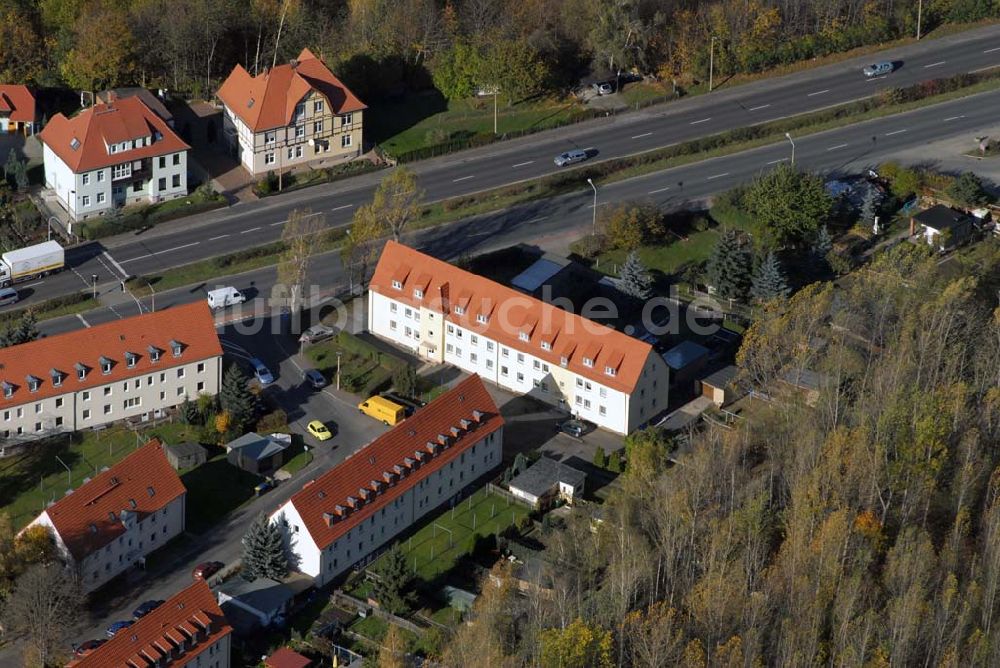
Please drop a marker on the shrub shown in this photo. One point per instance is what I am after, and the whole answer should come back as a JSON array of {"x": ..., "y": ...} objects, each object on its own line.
[
  {"x": 590, "y": 246},
  {"x": 275, "y": 421}
]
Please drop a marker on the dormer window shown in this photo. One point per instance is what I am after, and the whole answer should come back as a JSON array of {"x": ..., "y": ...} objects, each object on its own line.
[
  {"x": 57, "y": 377},
  {"x": 587, "y": 362},
  {"x": 33, "y": 383},
  {"x": 546, "y": 345},
  {"x": 8, "y": 389},
  {"x": 397, "y": 285},
  {"x": 74, "y": 143},
  {"x": 609, "y": 370},
  {"x": 154, "y": 353},
  {"x": 177, "y": 347},
  {"x": 106, "y": 365},
  {"x": 459, "y": 310},
  {"x": 482, "y": 318},
  {"x": 131, "y": 359},
  {"x": 523, "y": 336},
  {"x": 81, "y": 371},
  {"x": 563, "y": 361},
  {"x": 418, "y": 293}
]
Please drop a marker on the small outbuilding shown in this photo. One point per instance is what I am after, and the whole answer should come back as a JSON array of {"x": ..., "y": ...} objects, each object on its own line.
[
  {"x": 806, "y": 383},
  {"x": 261, "y": 603},
  {"x": 546, "y": 480},
  {"x": 287, "y": 658},
  {"x": 257, "y": 454},
  {"x": 685, "y": 360},
  {"x": 942, "y": 227},
  {"x": 718, "y": 386},
  {"x": 185, "y": 455}
]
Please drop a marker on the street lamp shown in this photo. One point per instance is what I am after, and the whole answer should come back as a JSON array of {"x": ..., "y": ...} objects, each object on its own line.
[
  {"x": 152, "y": 293},
  {"x": 338, "y": 370},
  {"x": 711, "y": 63},
  {"x": 920, "y": 11},
  {"x": 591, "y": 182},
  {"x": 93, "y": 279},
  {"x": 48, "y": 223},
  {"x": 788, "y": 135}
]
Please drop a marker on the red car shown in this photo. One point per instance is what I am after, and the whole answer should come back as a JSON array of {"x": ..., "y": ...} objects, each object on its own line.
[
  {"x": 83, "y": 649},
  {"x": 207, "y": 569}
]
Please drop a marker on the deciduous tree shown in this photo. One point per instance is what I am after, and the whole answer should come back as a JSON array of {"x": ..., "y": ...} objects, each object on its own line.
[
  {"x": 579, "y": 645},
  {"x": 397, "y": 201},
  {"x": 787, "y": 205},
  {"x": 42, "y": 610},
  {"x": 300, "y": 236},
  {"x": 968, "y": 190},
  {"x": 103, "y": 49}
]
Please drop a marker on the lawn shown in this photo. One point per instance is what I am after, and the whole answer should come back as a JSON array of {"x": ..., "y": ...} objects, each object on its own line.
[
  {"x": 435, "y": 548},
  {"x": 30, "y": 480},
  {"x": 667, "y": 258},
  {"x": 364, "y": 369},
  {"x": 215, "y": 489},
  {"x": 425, "y": 120}
]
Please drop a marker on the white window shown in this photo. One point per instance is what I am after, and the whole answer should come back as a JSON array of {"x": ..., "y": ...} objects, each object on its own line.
[
  {"x": 418, "y": 293},
  {"x": 474, "y": 358},
  {"x": 503, "y": 371},
  {"x": 347, "y": 119},
  {"x": 107, "y": 409},
  {"x": 475, "y": 340},
  {"x": 392, "y": 307},
  {"x": 397, "y": 285},
  {"x": 86, "y": 200},
  {"x": 546, "y": 345},
  {"x": 520, "y": 358},
  {"x": 520, "y": 377},
  {"x": 100, "y": 198},
  {"x": 269, "y": 158},
  {"x": 392, "y": 325},
  {"x": 300, "y": 110},
  {"x": 121, "y": 171},
  {"x": 345, "y": 141},
  {"x": 86, "y": 179},
  {"x": 482, "y": 318},
  {"x": 538, "y": 365},
  {"x": 586, "y": 403},
  {"x": 317, "y": 127},
  {"x": 523, "y": 336},
  {"x": 489, "y": 364},
  {"x": 588, "y": 362},
  {"x": 270, "y": 137},
  {"x": 459, "y": 310},
  {"x": 86, "y": 395},
  {"x": 450, "y": 348},
  {"x": 86, "y": 414},
  {"x": 609, "y": 370},
  {"x": 604, "y": 392},
  {"x": 579, "y": 382},
  {"x": 489, "y": 346},
  {"x": 318, "y": 107},
  {"x": 505, "y": 352},
  {"x": 602, "y": 410},
  {"x": 100, "y": 175},
  {"x": 180, "y": 372},
  {"x": 409, "y": 313},
  {"x": 300, "y": 131}
]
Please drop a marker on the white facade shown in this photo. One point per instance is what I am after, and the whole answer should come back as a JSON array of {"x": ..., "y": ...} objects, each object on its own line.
[
  {"x": 429, "y": 334},
  {"x": 393, "y": 518},
  {"x": 140, "y": 538},
  {"x": 144, "y": 396},
  {"x": 97, "y": 192},
  {"x": 215, "y": 655}
]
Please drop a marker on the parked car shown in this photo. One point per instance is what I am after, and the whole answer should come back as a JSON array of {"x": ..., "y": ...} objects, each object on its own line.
[
  {"x": 8, "y": 296},
  {"x": 605, "y": 88},
  {"x": 86, "y": 647},
  {"x": 570, "y": 157},
  {"x": 146, "y": 607},
  {"x": 575, "y": 427},
  {"x": 267, "y": 484},
  {"x": 206, "y": 569},
  {"x": 411, "y": 405},
  {"x": 316, "y": 333},
  {"x": 319, "y": 430},
  {"x": 261, "y": 372},
  {"x": 314, "y": 378},
  {"x": 878, "y": 69},
  {"x": 118, "y": 626}
]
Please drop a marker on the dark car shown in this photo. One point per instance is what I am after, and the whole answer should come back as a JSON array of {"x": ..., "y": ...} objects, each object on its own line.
[
  {"x": 206, "y": 569},
  {"x": 85, "y": 648},
  {"x": 118, "y": 626},
  {"x": 145, "y": 608},
  {"x": 575, "y": 427},
  {"x": 314, "y": 378}
]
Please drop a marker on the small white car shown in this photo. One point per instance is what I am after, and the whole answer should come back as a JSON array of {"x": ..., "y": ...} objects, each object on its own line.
[
  {"x": 570, "y": 157},
  {"x": 878, "y": 69},
  {"x": 605, "y": 88}
]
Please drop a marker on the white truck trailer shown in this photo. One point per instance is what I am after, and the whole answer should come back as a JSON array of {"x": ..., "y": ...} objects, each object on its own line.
[{"x": 26, "y": 263}]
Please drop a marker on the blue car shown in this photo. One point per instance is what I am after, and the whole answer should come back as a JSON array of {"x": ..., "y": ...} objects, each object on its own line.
[
  {"x": 261, "y": 372},
  {"x": 145, "y": 608},
  {"x": 116, "y": 627}
]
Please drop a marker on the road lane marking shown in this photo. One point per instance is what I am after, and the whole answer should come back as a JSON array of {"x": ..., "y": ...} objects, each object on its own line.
[
  {"x": 983, "y": 69},
  {"x": 819, "y": 92},
  {"x": 280, "y": 222},
  {"x": 704, "y": 120},
  {"x": 834, "y": 148},
  {"x": 168, "y": 250},
  {"x": 30, "y": 285},
  {"x": 953, "y": 118},
  {"x": 112, "y": 261},
  {"x": 85, "y": 323},
  {"x": 252, "y": 229},
  {"x": 763, "y": 106},
  {"x": 523, "y": 164},
  {"x": 644, "y": 134},
  {"x": 535, "y": 220},
  {"x": 658, "y": 190},
  {"x": 221, "y": 236},
  {"x": 717, "y": 176},
  {"x": 336, "y": 208},
  {"x": 997, "y": 48},
  {"x": 894, "y": 132},
  {"x": 940, "y": 62},
  {"x": 774, "y": 162},
  {"x": 463, "y": 178}
]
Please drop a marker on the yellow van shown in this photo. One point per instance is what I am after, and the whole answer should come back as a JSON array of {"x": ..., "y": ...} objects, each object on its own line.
[{"x": 382, "y": 409}]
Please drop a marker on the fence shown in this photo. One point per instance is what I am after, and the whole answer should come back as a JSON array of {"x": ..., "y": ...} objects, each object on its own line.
[
  {"x": 500, "y": 491},
  {"x": 345, "y": 600}
]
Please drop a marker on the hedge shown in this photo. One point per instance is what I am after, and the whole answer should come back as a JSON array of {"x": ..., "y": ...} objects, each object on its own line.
[{"x": 142, "y": 218}]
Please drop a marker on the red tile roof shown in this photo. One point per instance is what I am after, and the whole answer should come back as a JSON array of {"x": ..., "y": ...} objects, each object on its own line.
[
  {"x": 343, "y": 484},
  {"x": 191, "y": 325},
  {"x": 142, "y": 483},
  {"x": 287, "y": 658},
  {"x": 17, "y": 101},
  {"x": 510, "y": 313},
  {"x": 93, "y": 129},
  {"x": 163, "y": 630},
  {"x": 268, "y": 100}
]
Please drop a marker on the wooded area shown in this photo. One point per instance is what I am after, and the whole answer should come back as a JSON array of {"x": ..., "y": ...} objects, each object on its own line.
[
  {"x": 382, "y": 47},
  {"x": 862, "y": 531}
]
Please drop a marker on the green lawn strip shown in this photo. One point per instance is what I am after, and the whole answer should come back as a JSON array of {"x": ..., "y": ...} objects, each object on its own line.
[
  {"x": 432, "y": 551},
  {"x": 53, "y": 308},
  {"x": 667, "y": 258},
  {"x": 297, "y": 463},
  {"x": 371, "y": 627},
  {"x": 215, "y": 489},
  {"x": 364, "y": 369},
  {"x": 136, "y": 218},
  {"x": 30, "y": 480}
]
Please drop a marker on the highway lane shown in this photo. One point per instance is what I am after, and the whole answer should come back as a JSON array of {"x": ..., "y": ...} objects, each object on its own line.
[
  {"x": 842, "y": 151},
  {"x": 250, "y": 224}
]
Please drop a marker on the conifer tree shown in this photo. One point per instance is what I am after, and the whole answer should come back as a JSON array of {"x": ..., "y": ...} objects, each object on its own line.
[
  {"x": 635, "y": 280},
  {"x": 769, "y": 280},
  {"x": 729, "y": 266},
  {"x": 237, "y": 399},
  {"x": 264, "y": 553}
]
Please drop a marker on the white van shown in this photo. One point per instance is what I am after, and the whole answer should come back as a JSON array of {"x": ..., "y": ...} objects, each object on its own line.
[{"x": 223, "y": 297}]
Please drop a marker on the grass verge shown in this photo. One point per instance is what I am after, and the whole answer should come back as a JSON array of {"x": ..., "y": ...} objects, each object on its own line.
[
  {"x": 52, "y": 308},
  {"x": 364, "y": 369},
  {"x": 215, "y": 489},
  {"x": 201, "y": 200}
]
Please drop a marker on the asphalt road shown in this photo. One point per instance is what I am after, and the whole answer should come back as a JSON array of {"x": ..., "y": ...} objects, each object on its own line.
[
  {"x": 846, "y": 150},
  {"x": 251, "y": 224}
]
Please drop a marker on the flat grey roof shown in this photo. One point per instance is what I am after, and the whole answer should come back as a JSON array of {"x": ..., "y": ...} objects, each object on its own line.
[
  {"x": 536, "y": 275},
  {"x": 545, "y": 474},
  {"x": 185, "y": 449},
  {"x": 684, "y": 354},
  {"x": 721, "y": 378},
  {"x": 256, "y": 446}
]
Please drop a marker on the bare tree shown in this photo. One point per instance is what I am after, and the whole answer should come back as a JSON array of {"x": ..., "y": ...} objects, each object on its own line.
[
  {"x": 363, "y": 243},
  {"x": 300, "y": 236},
  {"x": 42, "y": 608},
  {"x": 397, "y": 201}
]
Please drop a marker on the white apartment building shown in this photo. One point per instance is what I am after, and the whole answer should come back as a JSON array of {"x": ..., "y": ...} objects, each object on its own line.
[
  {"x": 135, "y": 368},
  {"x": 293, "y": 114},
  {"x": 110, "y": 523},
  {"x": 112, "y": 155},
  {"x": 188, "y": 630},
  {"x": 522, "y": 344},
  {"x": 377, "y": 493}
]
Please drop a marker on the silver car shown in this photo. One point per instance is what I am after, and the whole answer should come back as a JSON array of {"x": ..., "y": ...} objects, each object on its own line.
[
  {"x": 570, "y": 157},
  {"x": 878, "y": 69}
]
